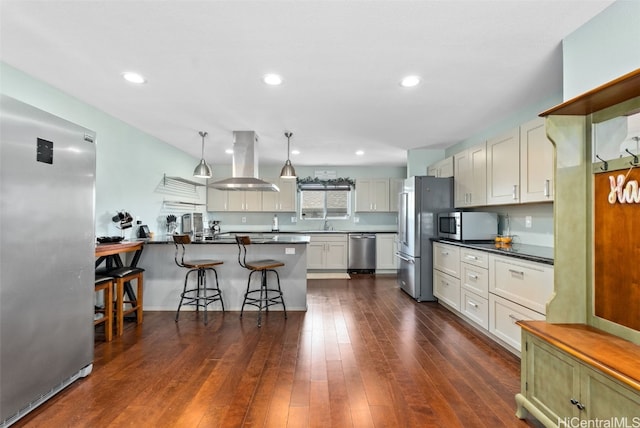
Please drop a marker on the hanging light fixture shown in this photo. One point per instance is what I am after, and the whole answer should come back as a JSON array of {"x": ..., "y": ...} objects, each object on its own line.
[
  {"x": 287, "y": 170},
  {"x": 202, "y": 170}
]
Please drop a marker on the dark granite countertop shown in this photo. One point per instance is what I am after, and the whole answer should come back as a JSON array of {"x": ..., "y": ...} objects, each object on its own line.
[
  {"x": 534, "y": 253},
  {"x": 256, "y": 238}
]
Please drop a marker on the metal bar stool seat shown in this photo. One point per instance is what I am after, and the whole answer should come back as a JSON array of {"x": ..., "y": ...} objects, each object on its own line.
[
  {"x": 200, "y": 295},
  {"x": 121, "y": 276},
  {"x": 264, "y": 296},
  {"x": 105, "y": 284}
]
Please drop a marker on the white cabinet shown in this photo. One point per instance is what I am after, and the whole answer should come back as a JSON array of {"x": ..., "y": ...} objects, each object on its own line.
[
  {"x": 446, "y": 259},
  {"x": 372, "y": 195},
  {"x": 503, "y": 168},
  {"x": 327, "y": 251},
  {"x": 217, "y": 200},
  {"x": 526, "y": 283},
  {"x": 470, "y": 177},
  {"x": 282, "y": 201},
  {"x": 503, "y": 315},
  {"x": 395, "y": 188},
  {"x": 386, "y": 248},
  {"x": 491, "y": 290},
  {"x": 518, "y": 290},
  {"x": 443, "y": 168},
  {"x": 520, "y": 166},
  {"x": 244, "y": 200},
  {"x": 474, "y": 283},
  {"x": 536, "y": 163},
  {"x": 233, "y": 200},
  {"x": 446, "y": 274}
]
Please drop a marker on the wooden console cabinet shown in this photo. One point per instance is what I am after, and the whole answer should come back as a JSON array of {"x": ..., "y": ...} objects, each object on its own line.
[{"x": 574, "y": 372}]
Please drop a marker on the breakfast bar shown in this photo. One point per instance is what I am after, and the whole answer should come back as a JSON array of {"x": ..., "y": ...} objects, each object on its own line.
[{"x": 164, "y": 279}]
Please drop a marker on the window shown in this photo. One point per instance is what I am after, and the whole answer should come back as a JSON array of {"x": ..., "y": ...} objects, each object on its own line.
[{"x": 325, "y": 203}]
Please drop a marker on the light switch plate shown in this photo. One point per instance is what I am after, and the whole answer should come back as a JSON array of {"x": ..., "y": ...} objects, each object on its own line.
[{"x": 528, "y": 222}]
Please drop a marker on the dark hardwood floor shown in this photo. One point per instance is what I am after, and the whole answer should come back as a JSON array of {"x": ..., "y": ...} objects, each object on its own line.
[{"x": 363, "y": 355}]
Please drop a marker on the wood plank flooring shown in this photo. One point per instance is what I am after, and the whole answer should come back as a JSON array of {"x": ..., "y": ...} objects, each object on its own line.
[{"x": 363, "y": 355}]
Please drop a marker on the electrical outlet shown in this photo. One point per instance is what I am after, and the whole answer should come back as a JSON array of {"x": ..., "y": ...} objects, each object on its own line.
[
  {"x": 356, "y": 219},
  {"x": 294, "y": 219},
  {"x": 528, "y": 221},
  {"x": 243, "y": 219},
  {"x": 289, "y": 250}
]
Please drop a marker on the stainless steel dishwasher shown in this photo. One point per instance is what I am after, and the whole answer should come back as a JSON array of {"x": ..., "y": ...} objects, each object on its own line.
[{"x": 362, "y": 253}]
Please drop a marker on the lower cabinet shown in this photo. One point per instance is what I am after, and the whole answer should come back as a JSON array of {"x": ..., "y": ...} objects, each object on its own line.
[
  {"x": 490, "y": 290},
  {"x": 386, "y": 248},
  {"x": 327, "y": 251},
  {"x": 561, "y": 390},
  {"x": 447, "y": 289},
  {"x": 503, "y": 315}
]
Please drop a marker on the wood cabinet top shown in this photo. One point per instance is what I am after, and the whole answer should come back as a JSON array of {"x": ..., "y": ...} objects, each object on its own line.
[
  {"x": 610, "y": 354},
  {"x": 621, "y": 89}
]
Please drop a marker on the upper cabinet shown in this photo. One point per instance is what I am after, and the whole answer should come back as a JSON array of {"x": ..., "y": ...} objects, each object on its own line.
[
  {"x": 470, "y": 180},
  {"x": 520, "y": 166},
  {"x": 536, "y": 163},
  {"x": 284, "y": 200},
  {"x": 245, "y": 200},
  {"x": 395, "y": 188},
  {"x": 372, "y": 194},
  {"x": 503, "y": 169},
  {"x": 443, "y": 168}
]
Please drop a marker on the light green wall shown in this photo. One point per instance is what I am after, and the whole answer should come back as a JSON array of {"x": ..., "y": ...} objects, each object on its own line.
[
  {"x": 603, "y": 49},
  {"x": 130, "y": 164},
  {"x": 419, "y": 159}
]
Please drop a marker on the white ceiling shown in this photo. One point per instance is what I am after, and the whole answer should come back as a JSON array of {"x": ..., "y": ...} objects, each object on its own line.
[{"x": 341, "y": 62}]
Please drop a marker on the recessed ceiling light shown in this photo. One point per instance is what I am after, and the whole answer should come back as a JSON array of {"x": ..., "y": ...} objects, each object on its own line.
[
  {"x": 272, "y": 79},
  {"x": 359, "y": 152},
  {"x": 133, "y": 77},
  {"x": 410, "y": 81},
  {"x": 229, "y": 151},
  {"x": 295, "y": 152}
]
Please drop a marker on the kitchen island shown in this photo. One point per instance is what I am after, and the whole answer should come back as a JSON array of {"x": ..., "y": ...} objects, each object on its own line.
[{"x": 164, "y": 279}]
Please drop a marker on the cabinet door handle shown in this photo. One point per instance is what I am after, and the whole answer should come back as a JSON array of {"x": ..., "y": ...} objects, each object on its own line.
[
  {"x": 470, "y": 257},
  {"x": 516, "y": 272},
  {"x": 472, "y": 276},
  {"x": 474, "y": 304},
  {"x": 547, "y": 193},
  {"x": 576, "y": 403},
  {"x": 515, "y": 192},
  {"x": 514, "y": 318}
]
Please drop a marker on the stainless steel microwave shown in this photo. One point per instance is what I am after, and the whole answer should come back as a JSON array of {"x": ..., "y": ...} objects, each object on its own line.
[{"x": 468, "y": 226}]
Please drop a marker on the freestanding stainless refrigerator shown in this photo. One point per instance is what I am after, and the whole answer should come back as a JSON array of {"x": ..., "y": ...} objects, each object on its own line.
[
  {"x": 47, "y": 247},
  {"x": 420, "y": 202}
]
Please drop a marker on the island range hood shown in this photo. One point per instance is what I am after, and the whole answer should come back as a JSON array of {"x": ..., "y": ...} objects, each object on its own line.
[{"x": 245, "y": 166}]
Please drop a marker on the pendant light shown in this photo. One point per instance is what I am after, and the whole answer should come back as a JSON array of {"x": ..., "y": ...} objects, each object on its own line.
[
  {"x": 202, "y": 170},
  {"x": 287, "y": 170}
]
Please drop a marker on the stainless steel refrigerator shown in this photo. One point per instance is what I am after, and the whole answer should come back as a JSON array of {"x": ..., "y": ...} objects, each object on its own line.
[
  {"x": 420, "y": 201},
  {"x": 47, "y": 248}
]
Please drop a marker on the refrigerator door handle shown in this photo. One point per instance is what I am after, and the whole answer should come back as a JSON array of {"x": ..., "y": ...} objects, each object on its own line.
[{"x": 404, "y": 258}]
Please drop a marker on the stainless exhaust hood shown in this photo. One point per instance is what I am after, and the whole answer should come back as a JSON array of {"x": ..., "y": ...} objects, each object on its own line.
[{"x": 245, "y": 166}]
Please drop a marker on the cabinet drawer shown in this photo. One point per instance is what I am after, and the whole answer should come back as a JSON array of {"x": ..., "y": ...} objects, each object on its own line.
[
  {"x": 473, "y": 257},
  {"x": 503, "y": 315},
  {"x": 447, "y": 289},
  {"x": 475, "y": 308},
  {"x": 475, "y": 279},
  {"x": 527, "y": 283},
  {"x": 446, "y": 258}
]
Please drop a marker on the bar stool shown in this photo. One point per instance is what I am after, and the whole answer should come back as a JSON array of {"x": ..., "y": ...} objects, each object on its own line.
[
  {"x": 122, "y": 275},
  {"x": 200, "y": 296},
  {"x": 262, "y": 297},
  {"x": 105, "y": 284}
]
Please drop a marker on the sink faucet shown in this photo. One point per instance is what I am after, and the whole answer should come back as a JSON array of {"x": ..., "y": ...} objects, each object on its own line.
[{"x": 326, "y": 226}]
